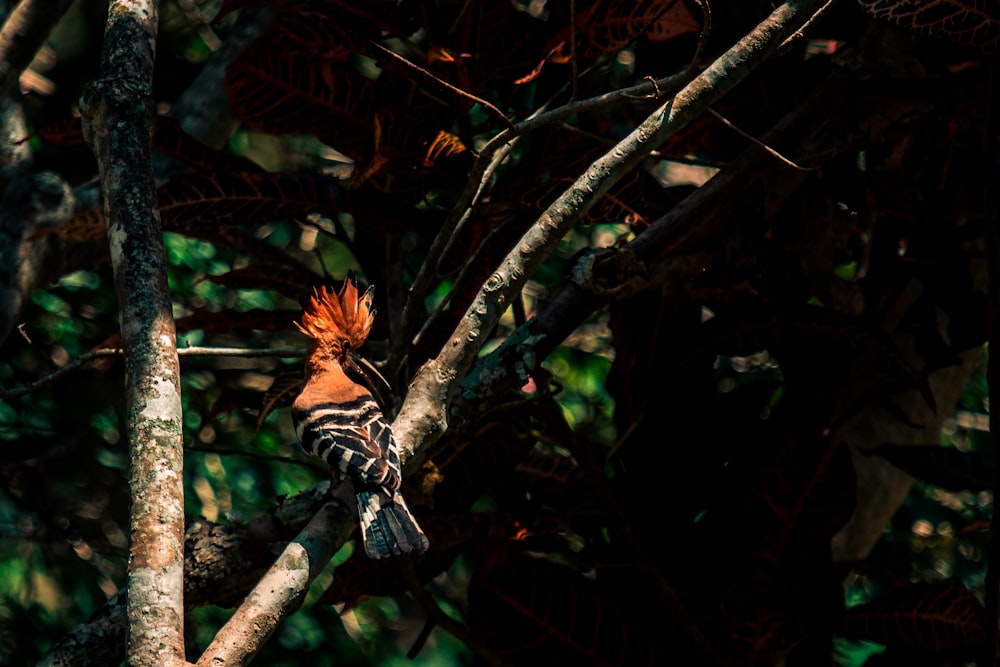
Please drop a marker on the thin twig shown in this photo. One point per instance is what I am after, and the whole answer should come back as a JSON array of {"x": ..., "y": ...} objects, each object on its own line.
[
  {"x": 499, "y": 115},
  {"x": 482, "y": 171},
  {"x": 306, "y": 463},
  {"x": 990, "y": 172},
  {"x": 706, "y": 30},
  {"x": 798, "y": 34},
  {"x": 574, "y": 64},
  {"x": 94, "y": 355},
  {"x": 758, "y": 142}
]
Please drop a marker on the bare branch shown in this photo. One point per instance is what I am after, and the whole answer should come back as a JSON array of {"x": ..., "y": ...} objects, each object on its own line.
[
  {"x": 609, "y": 274},
  {"x": 757, "y": 141},
  {"x": 706, "y": 30},
  {"x": 490, "y": 157},
  {"x": 94, "y": 355},
  {"x": 23, "y": 34},
  {"x": 496, "y": 113},
  {"x": 423, "y": 418},
  {"x": 117, "y": 114},
  {"x": 283, "y": 587}
]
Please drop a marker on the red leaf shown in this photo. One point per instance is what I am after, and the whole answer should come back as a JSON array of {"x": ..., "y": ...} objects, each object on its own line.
[
  {"x": 966, "y": 22},
  {"x": 224, "y": 321},
  {"x": 243, "y": 198},
  {"x": 289, "y": 281},
  {"x": 937, "y": 618},
  {"x": 279, "y": 87}
]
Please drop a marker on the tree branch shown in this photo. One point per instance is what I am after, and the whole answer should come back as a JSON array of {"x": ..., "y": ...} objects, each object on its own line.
[
  {"x": 221, "y": 563},
  {"x": 641, "y": 264},
  {"x": 23, "y": 34},
  {"x": 117, "y": 114},
  {"x": 423, "y": 418},
  {"x": 490, "y": 157},
  {"x": 93, "y": 355},
  {"x": 282, "y": 589}
]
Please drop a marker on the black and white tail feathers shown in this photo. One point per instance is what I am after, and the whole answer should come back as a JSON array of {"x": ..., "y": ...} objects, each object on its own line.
[
  {"x": 355, "y": 440},
  {"x": 387, "y": 526},
  {"x": 338, "y": 420}
]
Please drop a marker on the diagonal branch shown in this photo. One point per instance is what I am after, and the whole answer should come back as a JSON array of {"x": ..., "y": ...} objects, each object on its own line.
[
  {"x": 490, "y": 157},
  {"x": 117, "y": 113},
  {"x": 23, "y": 34},
  {"x": 423, "y": 419},
  {"x": 606, "y": 274},
  {"x": 282, "y": 589}
]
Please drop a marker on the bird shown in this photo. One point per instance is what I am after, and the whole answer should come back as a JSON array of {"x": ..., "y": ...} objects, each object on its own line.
[{"x": 338, "y": 420}]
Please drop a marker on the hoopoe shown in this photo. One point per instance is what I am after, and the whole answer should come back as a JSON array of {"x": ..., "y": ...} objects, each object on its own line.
[{"x": 339, "y": 421}]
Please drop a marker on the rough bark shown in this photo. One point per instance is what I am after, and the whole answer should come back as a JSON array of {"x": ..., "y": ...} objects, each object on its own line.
[{"x": 117, "y": 120}]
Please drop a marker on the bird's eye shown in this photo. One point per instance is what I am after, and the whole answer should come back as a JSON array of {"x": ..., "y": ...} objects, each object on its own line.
[{"x": 345, "y": 345}]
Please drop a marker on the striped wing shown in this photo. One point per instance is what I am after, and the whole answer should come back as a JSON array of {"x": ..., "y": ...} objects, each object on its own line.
[{"x": 352, "y": 437}]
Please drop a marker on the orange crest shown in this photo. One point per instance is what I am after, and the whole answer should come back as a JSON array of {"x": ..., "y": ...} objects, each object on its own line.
[{"x": 341, "y": 321}]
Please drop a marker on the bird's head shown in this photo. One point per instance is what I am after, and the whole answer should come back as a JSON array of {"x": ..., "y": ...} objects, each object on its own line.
[{"x": 338, "y": 323}]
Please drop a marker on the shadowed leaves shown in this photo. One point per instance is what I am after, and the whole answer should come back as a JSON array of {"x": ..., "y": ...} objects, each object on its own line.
[
  {"x": 292, "y": 282},
  {"x": 784, "y": 576},
  {"x": 946, "y": 467},
  {"x": 969, "y": 22},
  {"x": 944, "y": 619},
  {"x": 551, "y": 615},
  {"x": 243, "y": 198},
  {"x": 282, "y": 86}
]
